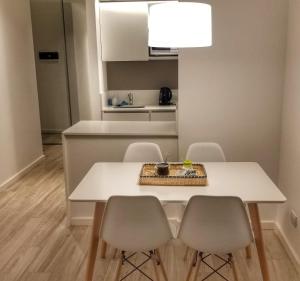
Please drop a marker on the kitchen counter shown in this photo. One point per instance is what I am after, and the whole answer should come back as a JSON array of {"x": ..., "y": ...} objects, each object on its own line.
[
  {"x": 88, "y": 142},
  {"x": 123, "y": 128},
  {"x": 147, "y": 108}
]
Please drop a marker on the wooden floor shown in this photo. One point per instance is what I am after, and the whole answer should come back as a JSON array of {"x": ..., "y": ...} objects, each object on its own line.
[
  {"x": 51, "y": 138},
  {"x": 35, "y": 244}
]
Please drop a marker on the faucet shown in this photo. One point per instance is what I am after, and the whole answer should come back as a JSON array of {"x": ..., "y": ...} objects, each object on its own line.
[{"x": 130, "y": 98}]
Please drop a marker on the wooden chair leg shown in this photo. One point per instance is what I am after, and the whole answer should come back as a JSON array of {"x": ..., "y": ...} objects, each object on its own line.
[
  {"x": 234, "y": 270},
  {"x": 154, "y": 262},
  {"x": 190, "y": 270},
  {"x": 118, "y": 270},
  {"x": 186, "y": 253},
  {"x": 162, "y": 265},
  {"x": 103, "y": 249},
  {"x": 248, "y": 252},
  {"x": 197, "y": 267}
]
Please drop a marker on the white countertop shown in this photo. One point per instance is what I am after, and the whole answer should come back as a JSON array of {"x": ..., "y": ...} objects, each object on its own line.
[
  {"x": 147, "y": 108},
  {"x": 123, "y": 128}
]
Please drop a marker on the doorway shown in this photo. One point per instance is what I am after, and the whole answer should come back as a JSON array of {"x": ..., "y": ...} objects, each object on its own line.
[{"x": 52, "y": 25}]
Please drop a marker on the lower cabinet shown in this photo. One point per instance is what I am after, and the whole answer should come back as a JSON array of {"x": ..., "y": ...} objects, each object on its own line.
[
  {"x": 81, "y": 152},
  {"x": 139, "y": 116},
  {"x": 163, "y": 116},
  {"x": 126, "y": 116}
]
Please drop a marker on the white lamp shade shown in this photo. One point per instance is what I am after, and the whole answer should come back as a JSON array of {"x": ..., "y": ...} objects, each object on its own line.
[{"x": 180, "y": 25}]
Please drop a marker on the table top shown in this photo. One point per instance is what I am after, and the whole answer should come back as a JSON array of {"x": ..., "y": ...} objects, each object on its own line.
[{"x": 246, "y": 180}]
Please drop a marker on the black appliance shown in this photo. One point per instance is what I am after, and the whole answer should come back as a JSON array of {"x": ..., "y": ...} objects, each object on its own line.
[
  {"x": 165, "y": 96},
  {"x": 163, "y": 52}
]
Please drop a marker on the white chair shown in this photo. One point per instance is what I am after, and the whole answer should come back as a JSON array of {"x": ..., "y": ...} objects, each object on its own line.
[
  {"x": 205, "y": 152},
  {"x": 215, "y": 225},
  {"x": 208, "y": 152},
  {"x": 143, "y": 152},
  {"x": 136, "y": 224},
  {"x": 140, "y": 152}
]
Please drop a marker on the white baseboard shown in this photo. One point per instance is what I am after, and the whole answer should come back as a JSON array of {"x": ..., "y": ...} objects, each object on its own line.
[
  {"x": 21, "y": 173},
  {"x": 287, "y": 246}
]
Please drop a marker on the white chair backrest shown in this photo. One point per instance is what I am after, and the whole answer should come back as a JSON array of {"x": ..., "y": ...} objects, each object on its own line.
[
  {"x": 135, "y": 223},
  {"x": 215, "y": 224},
  {"x": 205, "y": 152},
  {"x": 143, "y": 152}
]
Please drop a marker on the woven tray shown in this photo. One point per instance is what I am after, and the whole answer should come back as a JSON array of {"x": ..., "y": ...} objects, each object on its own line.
[{"x": 148, "y": 176}]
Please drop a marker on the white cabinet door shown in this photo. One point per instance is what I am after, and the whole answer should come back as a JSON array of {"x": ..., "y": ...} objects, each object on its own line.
[
  {"x": 163, "y": 116},
  {"x": 124, "y": 31},
  {"x": 131, "y": 116}
]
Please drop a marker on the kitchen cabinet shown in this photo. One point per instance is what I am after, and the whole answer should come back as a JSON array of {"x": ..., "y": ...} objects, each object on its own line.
[
  {"x": 163, "y": 116},
  {"x": 149, "y": 113},
  {"x": 124, "y": 31},
  {"x": 88, "y": 142},
  {"x": 126, "y": 116}
]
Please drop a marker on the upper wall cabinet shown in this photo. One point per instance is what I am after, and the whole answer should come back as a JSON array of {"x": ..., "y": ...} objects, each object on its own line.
[{"x": 124, "y": 31}]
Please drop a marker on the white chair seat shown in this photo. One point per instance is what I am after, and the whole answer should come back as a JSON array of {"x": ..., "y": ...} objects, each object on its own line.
[
  {"x": 135, "y": 223},
  {"x": 215, "y": 224}
]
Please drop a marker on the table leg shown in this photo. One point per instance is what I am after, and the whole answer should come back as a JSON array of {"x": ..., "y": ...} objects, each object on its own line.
[
  {"x": 248, "y": 252},
  {"x": 255, "y": 219},
  {"x": 98, "y": 212}
]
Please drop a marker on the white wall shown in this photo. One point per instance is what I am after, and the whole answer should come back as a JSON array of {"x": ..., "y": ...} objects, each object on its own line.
[
  {"x": 93, "y": 67},
  {"x": 20, "y": 140},
  {"x": 81, "y": 58},
  {"x": 231, "y": 93},
  {"x": 101, "y": 64},
  {"x": 84, "y": 35},
  {"x": 290, "y": 142}
]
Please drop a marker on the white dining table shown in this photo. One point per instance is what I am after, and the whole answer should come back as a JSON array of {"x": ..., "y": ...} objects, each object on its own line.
[{"x": 246, "y": 180}]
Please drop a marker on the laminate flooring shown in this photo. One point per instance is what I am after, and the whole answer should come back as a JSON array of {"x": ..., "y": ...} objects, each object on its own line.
[{"x": 51, "y": 138}]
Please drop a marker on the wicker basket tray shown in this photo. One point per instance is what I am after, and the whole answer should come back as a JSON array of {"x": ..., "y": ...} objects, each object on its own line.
[{"x": 148, "y": 176}]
